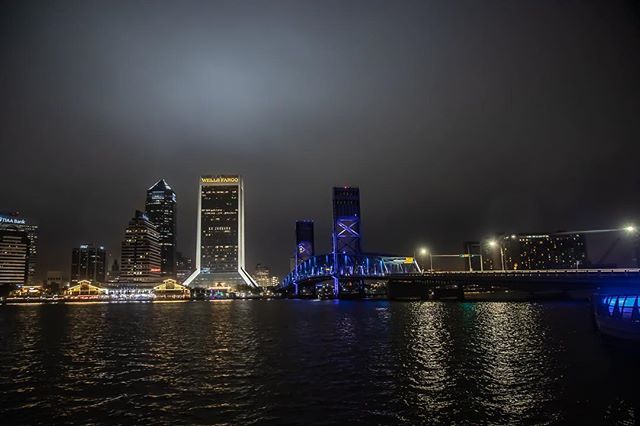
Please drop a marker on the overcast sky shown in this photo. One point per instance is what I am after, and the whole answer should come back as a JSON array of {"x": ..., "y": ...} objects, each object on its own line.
[{"x": 457, "y": 119}]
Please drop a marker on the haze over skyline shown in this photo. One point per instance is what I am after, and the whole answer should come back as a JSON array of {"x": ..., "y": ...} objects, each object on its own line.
[{"x": 457, "y": 121}]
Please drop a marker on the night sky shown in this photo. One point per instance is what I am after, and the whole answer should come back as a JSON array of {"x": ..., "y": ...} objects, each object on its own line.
[{"x": 457, "y": 120}]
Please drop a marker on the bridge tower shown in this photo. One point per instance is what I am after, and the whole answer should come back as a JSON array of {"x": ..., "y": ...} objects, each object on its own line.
[
  {"x": 346, "y": 227},
  {"x": 304, "y": 240},
  {"x": 304, "y": 244}
]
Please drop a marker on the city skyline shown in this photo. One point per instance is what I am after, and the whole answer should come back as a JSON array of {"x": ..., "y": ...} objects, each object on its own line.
[
  {"x": 487, "y": 133},
  {"x": 624, "y": 253},
  {"x": 320, "y": 212}
]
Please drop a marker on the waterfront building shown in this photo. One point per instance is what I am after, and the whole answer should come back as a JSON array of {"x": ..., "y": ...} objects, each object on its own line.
[
  {"x": 346, "y": 220},
  {"x": 140, "y": 256},
  {"x": 89, "y": 262},
  {"x": 162, "y": 212},
  {"x": 538, "y": 251},
  {"x": 304, "y": 240},
  {"x": 14, "y": 256},
  {"x": 13, "y": 220},
  {"x": 220, "y": 263},
  {"x": 170, "y": 289},
  {"x": 86, "y": 288}
]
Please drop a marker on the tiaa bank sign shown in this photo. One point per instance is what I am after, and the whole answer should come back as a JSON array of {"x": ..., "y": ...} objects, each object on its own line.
[{"x": 12, "y": 220}]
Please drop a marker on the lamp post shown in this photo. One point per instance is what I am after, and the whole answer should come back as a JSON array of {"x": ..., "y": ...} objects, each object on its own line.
[
  {"x": 423, "y": 252},
  {"x": 494, "y": 244}
]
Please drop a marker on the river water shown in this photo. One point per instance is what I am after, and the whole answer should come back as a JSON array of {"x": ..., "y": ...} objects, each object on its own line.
[{"x": 313, "y": 362}]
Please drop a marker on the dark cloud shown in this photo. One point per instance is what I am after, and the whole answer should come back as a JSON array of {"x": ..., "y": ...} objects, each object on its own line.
[{"x": 456, "y": 119}]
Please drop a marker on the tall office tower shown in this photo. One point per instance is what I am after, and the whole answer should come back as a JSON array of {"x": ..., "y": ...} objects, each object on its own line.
[
  {"x": 220, "y": 239},
  {"x": 262, "y": 275},
  {"x": 13, "y": 220},
  {"x": 140, "y": 255},
  {"x": 89, "y": 262},
  {"x": 304, "y": 240},
  {"x": 346, "y": 220},
  {"x": 161, "y": 210},
  {"x": 14, "y": 256}
]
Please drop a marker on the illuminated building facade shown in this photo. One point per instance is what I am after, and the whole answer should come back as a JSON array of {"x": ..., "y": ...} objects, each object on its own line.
[
  {"x": 89, "y": 262},
  {"x": 262, "y": 275},
  {"x": 304, "y": 240},
  {"x": 265, "y": 280},
  {"x": 14, "y": 257},
  {"x": 346, "y": 220},
  {"x": 161, "y": 210},
  {"x": 140, "y": 256},
  {"x": 220, "y": 263},
  {"x": 13, "y": 220},
  {"x": 538, "y": 251}
]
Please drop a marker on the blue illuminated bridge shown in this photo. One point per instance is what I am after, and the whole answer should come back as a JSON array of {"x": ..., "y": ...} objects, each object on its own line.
[
  {"x": 378, "y": 276},
  {"x": 346, "y": 275},
  {"x": 349, "y": 272}
]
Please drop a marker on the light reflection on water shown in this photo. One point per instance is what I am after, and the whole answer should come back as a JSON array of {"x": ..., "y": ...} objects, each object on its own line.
[{"x": 312, "y": 362}]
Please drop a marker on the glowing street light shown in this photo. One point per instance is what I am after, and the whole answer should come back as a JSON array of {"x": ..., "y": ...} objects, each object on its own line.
[
  {"x": 424, "y": 252},
  {"x": 494, "y": 244},
  {"x": 630, "y": 229}
]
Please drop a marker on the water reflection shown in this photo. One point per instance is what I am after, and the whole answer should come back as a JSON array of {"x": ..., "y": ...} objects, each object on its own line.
[
  {"x": 514, "y": 360},
  {"x": 311, "y": 362}
]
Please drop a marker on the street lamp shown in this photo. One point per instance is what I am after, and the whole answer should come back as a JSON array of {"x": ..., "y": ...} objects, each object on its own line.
[
  {"x": 423, "y": 253},
  {"x": 494, "y": 244},
  {"x": 630, "y": 229}
]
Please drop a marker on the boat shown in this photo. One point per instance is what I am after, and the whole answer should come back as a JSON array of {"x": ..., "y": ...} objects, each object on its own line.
[{"x": 617, "y": 314}]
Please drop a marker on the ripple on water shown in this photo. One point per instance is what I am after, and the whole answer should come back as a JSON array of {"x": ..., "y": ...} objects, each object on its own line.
[{"x": 311, "y": 362}]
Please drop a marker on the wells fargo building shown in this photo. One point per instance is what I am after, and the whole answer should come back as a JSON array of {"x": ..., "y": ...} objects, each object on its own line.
[{"x": 220, "y": 265}]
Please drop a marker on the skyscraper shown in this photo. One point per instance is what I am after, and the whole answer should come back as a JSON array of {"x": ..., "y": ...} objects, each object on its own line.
[
  {"x": 220, "y": 266},
  {"x": 304, "y": 240},
  {"x": 13, "y": 220},
  {"x": 89, "y": 262},
  {"x": 140, "y": 256},
  {"x": 161, "y": 210},
  {"x": 346, "y": 220},
  {"x": 14, "y": 256}
]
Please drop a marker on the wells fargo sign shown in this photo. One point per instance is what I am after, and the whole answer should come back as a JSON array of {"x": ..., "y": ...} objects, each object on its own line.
[{"x": 220, "y": 179}]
